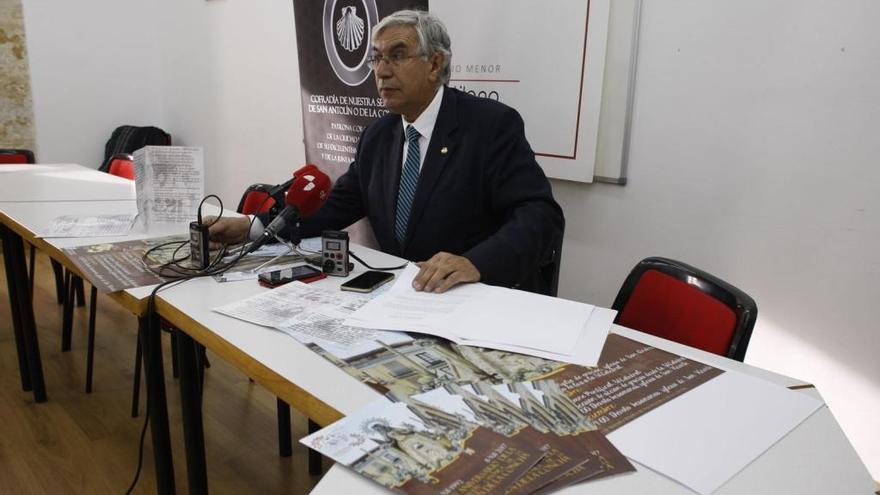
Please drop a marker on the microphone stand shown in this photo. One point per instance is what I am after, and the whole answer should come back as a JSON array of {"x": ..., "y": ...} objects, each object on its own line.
[{"x": 290, "y": 248}]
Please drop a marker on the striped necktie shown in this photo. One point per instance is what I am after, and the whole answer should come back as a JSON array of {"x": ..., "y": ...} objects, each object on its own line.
[{"x": 409, "y": 178}]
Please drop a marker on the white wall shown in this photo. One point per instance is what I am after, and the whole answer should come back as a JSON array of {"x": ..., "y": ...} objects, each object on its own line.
[
  {"x": 753, "y": 153},
  {"x": 93, "y": 68},
  {"x": 232, "y": 86}
]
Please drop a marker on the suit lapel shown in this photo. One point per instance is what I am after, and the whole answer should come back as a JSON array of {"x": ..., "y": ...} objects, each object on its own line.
[{"x": 440, "y": 149}]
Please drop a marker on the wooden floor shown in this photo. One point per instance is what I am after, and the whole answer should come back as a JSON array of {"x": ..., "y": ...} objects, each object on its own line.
[{"x": 87, "y": 443}]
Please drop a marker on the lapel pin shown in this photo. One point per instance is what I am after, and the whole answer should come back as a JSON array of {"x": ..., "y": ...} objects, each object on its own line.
[{"x": 444, "y": 150}]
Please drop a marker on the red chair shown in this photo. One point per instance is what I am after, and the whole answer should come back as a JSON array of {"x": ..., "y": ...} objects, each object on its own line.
[
  {"x": 11, "y": 156},
  {"x": 122, "y": 165},
  {"x": 678, "y": 302},
  {"x": 255, "y": 200}
]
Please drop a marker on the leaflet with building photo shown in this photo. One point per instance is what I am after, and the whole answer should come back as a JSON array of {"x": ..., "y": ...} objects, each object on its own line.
[
  {"x": 115, "y": 266},
  {"x": 405, "y": 368},
  {"x": 390, "y": 443},
  {"x": 425, "y": 363},
  {"x": 574, "y": 450},
  {"x": 544, "y": 402},
  {"x": 632, "y": 378}
]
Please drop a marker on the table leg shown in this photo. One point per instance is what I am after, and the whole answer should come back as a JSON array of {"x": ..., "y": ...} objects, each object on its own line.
[
  {"x": 59, "y": 280},
  {"x": 315, "y": 467},
  {"x": 285, "y": 444},
  {"x": 24, "y": 326},
  {"x": 191, "y": 408},
  {"x": 90, "y": 348},
  {"x": 67, "y": 312},
  {"x": 151, "y": 343}
]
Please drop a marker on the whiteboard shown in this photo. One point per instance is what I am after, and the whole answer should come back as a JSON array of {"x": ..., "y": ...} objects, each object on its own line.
[
  {"x": 546, "y": 60},
  {"x": 568, "y": 67}
]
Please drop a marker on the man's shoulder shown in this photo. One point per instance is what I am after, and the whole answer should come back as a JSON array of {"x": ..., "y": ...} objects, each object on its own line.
[{"x": 477, "y": 106}]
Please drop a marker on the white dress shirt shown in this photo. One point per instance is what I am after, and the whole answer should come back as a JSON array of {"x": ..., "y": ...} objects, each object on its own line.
[{"x": 425, "y": 125}]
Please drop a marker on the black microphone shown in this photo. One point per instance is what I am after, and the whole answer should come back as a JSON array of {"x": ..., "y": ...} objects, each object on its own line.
[
  {"x": 288, "y": 217},
  {"x": 277, "y": 191}
]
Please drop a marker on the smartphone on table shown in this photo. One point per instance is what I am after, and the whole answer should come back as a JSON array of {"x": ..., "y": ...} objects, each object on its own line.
[
  {"x": 303, "y": 273},
  {"x": 367, "y": 281}
]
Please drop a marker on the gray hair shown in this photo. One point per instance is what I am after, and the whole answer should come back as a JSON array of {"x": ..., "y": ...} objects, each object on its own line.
[{"x": 431, "y": 31}]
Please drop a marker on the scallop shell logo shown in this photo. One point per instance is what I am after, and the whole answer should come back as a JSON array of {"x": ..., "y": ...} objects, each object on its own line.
[
  {"x": 345, "y": 33},
  {"x": 350, "y": 29}
]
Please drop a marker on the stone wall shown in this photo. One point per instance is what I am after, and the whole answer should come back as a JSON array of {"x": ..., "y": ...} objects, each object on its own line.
[{"x": 16, "y": 105}]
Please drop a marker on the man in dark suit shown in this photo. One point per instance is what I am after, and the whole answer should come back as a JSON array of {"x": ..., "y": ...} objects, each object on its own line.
[{"x": 446, "y": 178}]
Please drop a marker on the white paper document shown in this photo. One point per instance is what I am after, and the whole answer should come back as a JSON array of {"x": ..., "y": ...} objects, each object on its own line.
[
  {"x": 313, "y": 315},
  {"x": 325, "y": 323},
  {"x": 585, "y": 353},
  {"x": 325, "y": 328},
  {"x": 708, "y": 435},
  {"x": 278, "y": 307},
  {"x": 88, "y": 226},
  {"x": 269, "y": 308},
  {"x": 493, "y": 317},
  {"x": 169, "y": 183}
]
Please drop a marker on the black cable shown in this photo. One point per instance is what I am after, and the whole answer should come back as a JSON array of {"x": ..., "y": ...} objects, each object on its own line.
[
  {"x": 137, "y": 473},
  {"x": 199, "y": 212},
  {"x": 351, "y": 253},
  {"x": 151, "y": 315},
  {"x": 213, "y": 268},
  {"x": 186, "y": 274}
]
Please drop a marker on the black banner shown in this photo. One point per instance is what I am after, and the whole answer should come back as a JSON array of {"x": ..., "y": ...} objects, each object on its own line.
[{"x": 338, "y": 92}]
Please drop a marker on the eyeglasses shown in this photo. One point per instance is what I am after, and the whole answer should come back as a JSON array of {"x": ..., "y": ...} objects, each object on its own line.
[{"x": 394, "y": 59}]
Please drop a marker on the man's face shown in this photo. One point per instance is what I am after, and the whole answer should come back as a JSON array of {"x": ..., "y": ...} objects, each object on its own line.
[{"x": 408, "y": 87}]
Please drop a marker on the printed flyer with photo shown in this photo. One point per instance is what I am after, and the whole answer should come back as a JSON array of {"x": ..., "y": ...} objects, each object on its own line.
[{"x": 391, "y": 444}]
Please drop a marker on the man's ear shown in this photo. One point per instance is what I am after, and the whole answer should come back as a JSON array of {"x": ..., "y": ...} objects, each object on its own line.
[{"x": 436, "y": 65}]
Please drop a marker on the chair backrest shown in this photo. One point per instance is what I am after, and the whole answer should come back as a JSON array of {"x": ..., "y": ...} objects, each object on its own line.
[
  {"x": 678, "y": 302},
  {"x": 10, "y": 156},
  {"x": 256, "y": 200},
  {"x": 129, "y": 138},
  {"x": 122, "y": 165},
  {"x": 550, "y": 270}
]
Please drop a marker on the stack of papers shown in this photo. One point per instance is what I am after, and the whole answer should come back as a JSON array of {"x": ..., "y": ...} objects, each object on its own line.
[
  {"x": 523, "y": 438},
  {"x": 492, "y": 317},
  {"x": 464, "y": 419}
]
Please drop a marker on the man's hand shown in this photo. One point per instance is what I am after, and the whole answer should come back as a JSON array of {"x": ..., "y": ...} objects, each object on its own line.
[
  {"x": 443, "y": 271},
  {"x": 227, "y": 230}
]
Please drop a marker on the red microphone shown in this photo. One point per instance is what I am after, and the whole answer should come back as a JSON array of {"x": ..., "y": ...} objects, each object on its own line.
[{"x": 309, "y": 191}]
